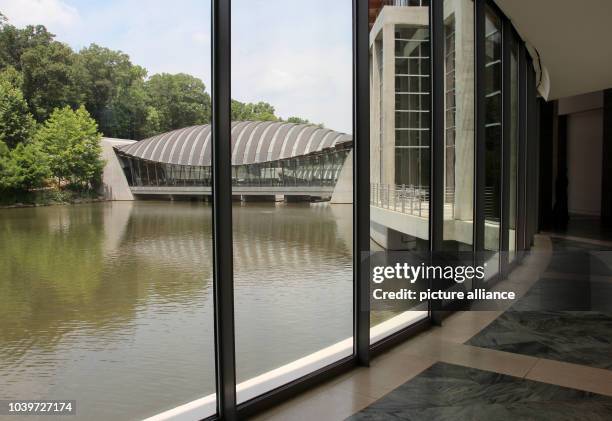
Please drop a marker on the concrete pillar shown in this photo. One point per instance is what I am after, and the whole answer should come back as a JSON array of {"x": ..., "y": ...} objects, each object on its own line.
[
  {"x": 464, "y": 119},
  {"x": 375, "y": 110},
  {"x": 388, "y": 105}
]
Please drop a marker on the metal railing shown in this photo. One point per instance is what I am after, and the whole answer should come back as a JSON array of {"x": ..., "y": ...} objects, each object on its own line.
[
  {"x": 405, "y": 2},
  {"x": 408, "y": 199}
]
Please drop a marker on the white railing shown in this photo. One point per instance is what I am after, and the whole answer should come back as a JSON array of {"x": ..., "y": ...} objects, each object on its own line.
[{"x": 408, "y": 199}]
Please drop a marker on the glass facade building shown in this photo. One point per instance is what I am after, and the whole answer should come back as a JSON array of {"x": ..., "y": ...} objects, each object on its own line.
[
  {"x": 266, "y": 154},
  {"x": 442, "y": 156}
]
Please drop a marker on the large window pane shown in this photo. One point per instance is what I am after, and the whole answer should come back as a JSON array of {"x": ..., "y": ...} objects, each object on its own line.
[
  {"x": 459, "y": 125},
  {"x": 493, "y": 138},
  {"x": 514, "y": 141},
  {"x": 292, "y": 155},
  {"x": 400, "y": 141},
  {"x": 109, "y": 303}
]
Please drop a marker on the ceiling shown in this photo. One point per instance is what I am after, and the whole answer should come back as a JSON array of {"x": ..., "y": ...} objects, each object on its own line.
[{"x": 573, "y": 39}]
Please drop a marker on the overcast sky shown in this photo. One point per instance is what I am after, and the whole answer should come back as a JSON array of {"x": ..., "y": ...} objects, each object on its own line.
[{"x": 294, "y": 54}]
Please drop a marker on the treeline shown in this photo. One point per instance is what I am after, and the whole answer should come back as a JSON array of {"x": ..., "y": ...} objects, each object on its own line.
[
  {"x": 48, "y": 92},
  {"x": 117, "y": 93}
]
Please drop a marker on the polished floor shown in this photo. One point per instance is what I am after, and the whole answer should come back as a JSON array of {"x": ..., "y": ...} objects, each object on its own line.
[
  {"x": 537, "y": 358},
  {"x": 453, "y": 392}
]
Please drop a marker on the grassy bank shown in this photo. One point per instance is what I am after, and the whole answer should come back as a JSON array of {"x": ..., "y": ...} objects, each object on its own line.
[{"x": 47, "y": 197}]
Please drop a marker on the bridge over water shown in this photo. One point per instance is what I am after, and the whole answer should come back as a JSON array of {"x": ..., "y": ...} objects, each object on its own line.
[{"x": 268, "y": 159}]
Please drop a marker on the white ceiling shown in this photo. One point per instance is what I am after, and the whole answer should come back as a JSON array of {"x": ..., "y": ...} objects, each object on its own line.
[{"x": 573, "y": 38}]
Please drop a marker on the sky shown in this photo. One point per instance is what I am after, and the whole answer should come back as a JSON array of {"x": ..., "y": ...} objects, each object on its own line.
[{"x": 294, "y": 54}]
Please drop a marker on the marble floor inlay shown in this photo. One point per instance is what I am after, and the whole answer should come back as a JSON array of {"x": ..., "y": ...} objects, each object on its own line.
[
  {"x": 566, "y": 318},
  {"x": 451, "y": 392}
]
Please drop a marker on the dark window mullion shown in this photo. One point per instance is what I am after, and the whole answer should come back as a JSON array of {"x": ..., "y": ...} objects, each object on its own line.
[
  {"x": 522, "y": 168},
  {"x": 480, "y": 111},
  {"x": 506, "y": 144},
  {"x": 223, "y": 283},
  {"x": 361, "y": 182}
]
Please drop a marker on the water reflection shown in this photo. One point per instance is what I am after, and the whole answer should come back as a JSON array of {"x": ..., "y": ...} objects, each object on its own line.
[{"x": 111, "y": 303}]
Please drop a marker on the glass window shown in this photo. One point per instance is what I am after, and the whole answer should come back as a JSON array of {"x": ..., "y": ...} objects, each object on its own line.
[
  {"x": 400, "y": 142},
  {"x": 110, "y": 302},
  {"x": 459, "y": 134},
  {"x": 514, "y": 141},
  {"x": 493, "y": 139},
  {"x": 292, "y": 215}
]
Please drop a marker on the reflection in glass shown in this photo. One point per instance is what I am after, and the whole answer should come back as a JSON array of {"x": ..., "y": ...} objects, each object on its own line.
[
  {"x": 459, "y": 125},
  {"x": 514, "y": 141},
  {"x": 292, "y": 185},
  {"x": 399, "y": 137},
  {"x": 493, "y": 138}
]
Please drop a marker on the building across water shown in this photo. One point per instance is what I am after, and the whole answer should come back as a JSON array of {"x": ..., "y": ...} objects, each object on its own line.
[{"x": 269, "y": 159}]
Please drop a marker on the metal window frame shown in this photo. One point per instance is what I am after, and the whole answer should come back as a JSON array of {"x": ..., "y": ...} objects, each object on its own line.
[
  {"x": 437, "y": 152},
  {"x": 504, "y": 225},
  {"x": 479, "y": 129},
  {"x": 223, "y": 265},
  {"x": 522, "y": 167},
  {"x": 227, "y": 407},
  {"x": 225, "y": 361}
]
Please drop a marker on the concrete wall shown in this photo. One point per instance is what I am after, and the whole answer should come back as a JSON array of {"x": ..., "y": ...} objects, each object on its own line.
[
  {"x": 114, "y": 183},
  {"x": 584, "y": 152},
  {"x": 343, "y": 192}
]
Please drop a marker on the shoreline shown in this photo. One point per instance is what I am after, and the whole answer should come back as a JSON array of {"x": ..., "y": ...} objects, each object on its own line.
[{"x": 78, "y": 201}]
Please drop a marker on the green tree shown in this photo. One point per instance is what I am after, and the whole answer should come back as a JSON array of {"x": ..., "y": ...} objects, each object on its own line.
[
  {"x": 23, "y": 168},
  {"x": 50, "y": 79},
  {"x": 16, "y": 122},
  {"x": 12, "y": 76},
  {"x": 113, "y": 91},
  {"x": 261, "y": 111},
  {"x": 152, "y": 124},
  {"x": 180, "y": 100},
  {"x": 72, "y": 142},
  {"x": 297, "y": 120},
  {"x": 14, "y": 41}
]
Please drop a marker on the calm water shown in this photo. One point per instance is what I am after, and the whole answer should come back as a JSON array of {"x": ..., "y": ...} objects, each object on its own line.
[{"x": 111, "y": 304}]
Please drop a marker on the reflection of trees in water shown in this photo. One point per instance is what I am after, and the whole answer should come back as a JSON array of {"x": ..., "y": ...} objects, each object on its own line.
[
  {"x": 62, "y": 271},
  {"x": 57, "y": 279}
]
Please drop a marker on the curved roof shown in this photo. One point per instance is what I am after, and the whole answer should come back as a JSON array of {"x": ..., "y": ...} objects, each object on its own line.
[{"x": 252, "y": 142}]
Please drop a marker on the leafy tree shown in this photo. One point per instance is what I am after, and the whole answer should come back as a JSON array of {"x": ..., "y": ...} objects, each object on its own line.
[
  {"x": 180, "y": 100},
  {"x": 261, "y": 111},
  {"x": 297, "y": 120},
  {"x": 23, "y": 168},
  {"x": 50, "y": 79},
  {"x": 152, "y": 125},
  {"x": 72, "y": 142},
  {"x": 16, "y": 123},
  {"x": 12, "y": 76},
  {"x": 113, "y": 90},
  {"x": 14, "y": 42}
]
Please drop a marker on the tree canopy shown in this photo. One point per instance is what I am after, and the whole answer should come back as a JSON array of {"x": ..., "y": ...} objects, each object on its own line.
[
  {"x": 56, "y": 103},
  {"x": 71, "y": 141},
  {"x": 16, "y": 122}
]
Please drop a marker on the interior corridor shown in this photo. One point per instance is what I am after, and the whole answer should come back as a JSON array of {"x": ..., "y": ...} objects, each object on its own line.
[{"x": 550, "y": 345}]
